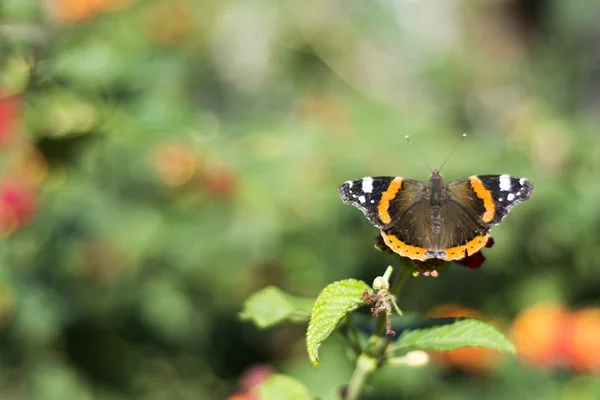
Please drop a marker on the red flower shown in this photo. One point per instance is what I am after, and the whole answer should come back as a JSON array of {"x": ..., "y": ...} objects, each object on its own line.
[
  {"x": 220, "y": 182},
  {"x": 475, "y": 260},
  {"x": 10, "y": 108},
  {"x": 250, "y": 381},
  {"x": 17, "y": 206}
]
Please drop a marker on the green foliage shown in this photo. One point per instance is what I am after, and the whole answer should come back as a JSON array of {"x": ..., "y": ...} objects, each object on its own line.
[
  {"x": 271, "y": 306},
  {"x": 450, "y": 336},
  {"x": 333, "y": 303},
  {"x": 161, "y": 160},
  {"x": 283, "y": 387}
]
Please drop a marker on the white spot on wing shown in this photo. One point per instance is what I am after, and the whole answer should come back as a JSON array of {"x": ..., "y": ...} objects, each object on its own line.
[
  {"x": 500, "y": 199},
  {"x": 372, "y": 201},
  {"x": 367, "y": 185},
  {"x": 349, "y": 183},
  {"x": 505, "y": 183},
  {"x": 510, "y": 197},
  {"x": 522, "y": 181},
  {"x": 362, "y": 199}
]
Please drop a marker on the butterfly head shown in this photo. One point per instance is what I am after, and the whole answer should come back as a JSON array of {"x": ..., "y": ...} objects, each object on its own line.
[{"x": 436, "y": 186}]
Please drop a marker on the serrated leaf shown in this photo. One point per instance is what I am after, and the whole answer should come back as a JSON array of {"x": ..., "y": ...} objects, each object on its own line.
[
  {"x": 271, "y": 306},
  {"x": 333, "y": 303},
  {"x": 450, "y": 336},
  {"x": 283, "y": 387}
]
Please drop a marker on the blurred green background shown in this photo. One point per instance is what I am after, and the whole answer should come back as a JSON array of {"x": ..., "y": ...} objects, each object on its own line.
[{"x": 162, "y": 160}]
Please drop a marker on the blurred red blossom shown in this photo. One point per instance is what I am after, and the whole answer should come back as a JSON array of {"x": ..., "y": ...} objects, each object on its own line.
[
  {"x": 10, "y": 109},
  {"x": 219, "y": 181},
  {"x": 18, "y": 205},
  {"x": 475, "y": 260},
  {"x": 250, "y": 380}
]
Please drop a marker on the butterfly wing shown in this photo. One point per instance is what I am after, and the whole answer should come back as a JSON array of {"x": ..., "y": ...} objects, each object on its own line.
[
  {"x": 396, "y": 206},
  {"x": 411, "y": 235},
  {"x": 474, "y": 205},
  {"x": 464, "y": 232},
  {"x": 383, "y": 199},
  {"x": 491, "y": 196}
]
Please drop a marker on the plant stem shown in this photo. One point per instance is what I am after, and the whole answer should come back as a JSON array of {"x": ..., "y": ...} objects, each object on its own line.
[
  {"x": 401, "y": 277},
  {"x": 379, "y": 329},
  {"x": 368, "y": 362},
  {"x": 365, "y": 366}
]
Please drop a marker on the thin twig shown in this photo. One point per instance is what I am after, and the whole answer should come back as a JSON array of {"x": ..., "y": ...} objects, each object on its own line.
[{"x": 368, "y": 362}]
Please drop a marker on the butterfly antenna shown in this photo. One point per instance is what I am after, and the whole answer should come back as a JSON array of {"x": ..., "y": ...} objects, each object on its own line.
[
  {"x": 464, "y": 135},
  {"x": 419, "y": 154}
]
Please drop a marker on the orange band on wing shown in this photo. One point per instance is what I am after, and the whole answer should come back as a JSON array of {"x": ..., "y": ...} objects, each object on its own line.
[
  {"x": 420, "y": 253},
  {"x": 384, "y": 203},
  {"x": 405, "y": 250},
  {"x": 471, "y": 247},
  {"x": 485, "y": 195}
]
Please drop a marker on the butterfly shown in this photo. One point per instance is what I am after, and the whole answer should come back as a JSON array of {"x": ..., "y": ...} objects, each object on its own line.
[{"x": 436, "y": 220}]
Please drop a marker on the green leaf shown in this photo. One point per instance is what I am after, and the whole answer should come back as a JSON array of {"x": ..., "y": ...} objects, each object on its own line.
[
  {"x": 271, "y": 306},
  {"x": 283, "y": 387},
  {"x": 333, "y": 303},
  {"x": 459, "y": 333}
]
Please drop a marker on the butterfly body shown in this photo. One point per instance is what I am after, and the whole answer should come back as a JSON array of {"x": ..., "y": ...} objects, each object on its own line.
[{"x": 436, "y": 220}]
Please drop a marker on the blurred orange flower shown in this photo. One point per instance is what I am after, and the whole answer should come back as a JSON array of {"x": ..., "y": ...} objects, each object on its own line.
[
  {"x": 76, "y": 10},
  {"x": 584, "y": 340},
  {"x": 548, "y": 335},
  {"x": 81, "y": 10},
  {"x": 537, "y": 333},
  {"x": 174, "y": 164}
]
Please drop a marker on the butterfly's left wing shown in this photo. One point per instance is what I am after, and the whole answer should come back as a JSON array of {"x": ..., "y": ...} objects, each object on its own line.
[
  {"x": 383, "y": 199},
  {"x": 490, "y": 197},
  {"x": 474, "y": 205}
]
